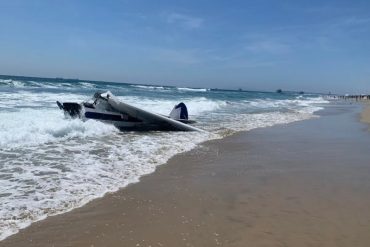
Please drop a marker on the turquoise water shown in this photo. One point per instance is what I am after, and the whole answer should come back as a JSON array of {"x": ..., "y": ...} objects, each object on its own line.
[{"x": 50, "y": 164}]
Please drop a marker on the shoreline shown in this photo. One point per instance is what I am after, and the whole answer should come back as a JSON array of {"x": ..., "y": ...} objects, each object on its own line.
[{"x": 227, "y": 192}]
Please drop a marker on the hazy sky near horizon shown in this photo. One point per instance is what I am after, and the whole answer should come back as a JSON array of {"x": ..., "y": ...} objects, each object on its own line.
[{"x": 311, "y": 45}]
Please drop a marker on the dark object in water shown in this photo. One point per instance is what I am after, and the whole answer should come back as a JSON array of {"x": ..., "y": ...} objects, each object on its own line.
[
  {"x": 73, "y": 109},
  {"x": 279, "y": 91}
]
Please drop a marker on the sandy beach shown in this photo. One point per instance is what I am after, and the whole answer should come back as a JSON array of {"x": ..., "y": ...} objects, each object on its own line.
[{"x": 300, "y": 184}]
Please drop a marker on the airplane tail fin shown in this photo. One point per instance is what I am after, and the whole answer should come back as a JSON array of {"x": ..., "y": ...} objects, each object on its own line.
[{"x": 179, "y": 112}]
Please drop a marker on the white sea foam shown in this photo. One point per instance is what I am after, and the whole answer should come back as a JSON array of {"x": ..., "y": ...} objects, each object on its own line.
[
  {"x": 12, "y": 83},
  {"x": 148, "y": 87},
  {"x": 292, "y": 104},
  {"x": 5, "y": 81},
  {"x": 87, "y": 85},
  {"x": 196, "y": 105},
  {"x": 192, "y": 89},
  {"x": 55, "y": 177},
  {"x": 29, "y": 99},
  {"x": 29, "y": 127}
]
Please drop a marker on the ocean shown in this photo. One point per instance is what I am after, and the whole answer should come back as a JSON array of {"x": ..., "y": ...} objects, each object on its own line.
[{"x": 50, "y": 164}]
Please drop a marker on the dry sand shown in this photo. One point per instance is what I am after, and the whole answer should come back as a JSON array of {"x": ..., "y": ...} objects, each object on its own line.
[{"x": 302, "y": 184}]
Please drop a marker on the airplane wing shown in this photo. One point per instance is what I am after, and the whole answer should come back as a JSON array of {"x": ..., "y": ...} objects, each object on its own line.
[{"x": 148, "y": 117}]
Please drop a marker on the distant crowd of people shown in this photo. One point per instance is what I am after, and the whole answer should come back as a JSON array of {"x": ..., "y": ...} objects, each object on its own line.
[
  {"x": 355, "y": 97},
  {"x": 351, "y": 97}
]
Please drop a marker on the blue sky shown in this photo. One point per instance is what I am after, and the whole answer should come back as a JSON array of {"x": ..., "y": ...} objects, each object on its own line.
[{"x": 258, "y": 45}]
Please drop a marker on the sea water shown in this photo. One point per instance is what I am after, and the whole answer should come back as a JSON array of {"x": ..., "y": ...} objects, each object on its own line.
[{"x": 50, "y": 164}]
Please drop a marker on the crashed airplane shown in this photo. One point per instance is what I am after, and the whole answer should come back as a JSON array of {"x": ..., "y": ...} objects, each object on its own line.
[{"x": 105, "y": 107}]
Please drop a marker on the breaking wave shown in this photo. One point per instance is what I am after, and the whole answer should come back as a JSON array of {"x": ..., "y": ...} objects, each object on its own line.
[{"x": 192, "y": 89}]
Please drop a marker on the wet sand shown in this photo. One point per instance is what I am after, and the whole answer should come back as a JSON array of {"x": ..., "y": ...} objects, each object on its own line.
[
  {"x": 365, "y": 115},
  {"x": 301, "y": 184}
]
